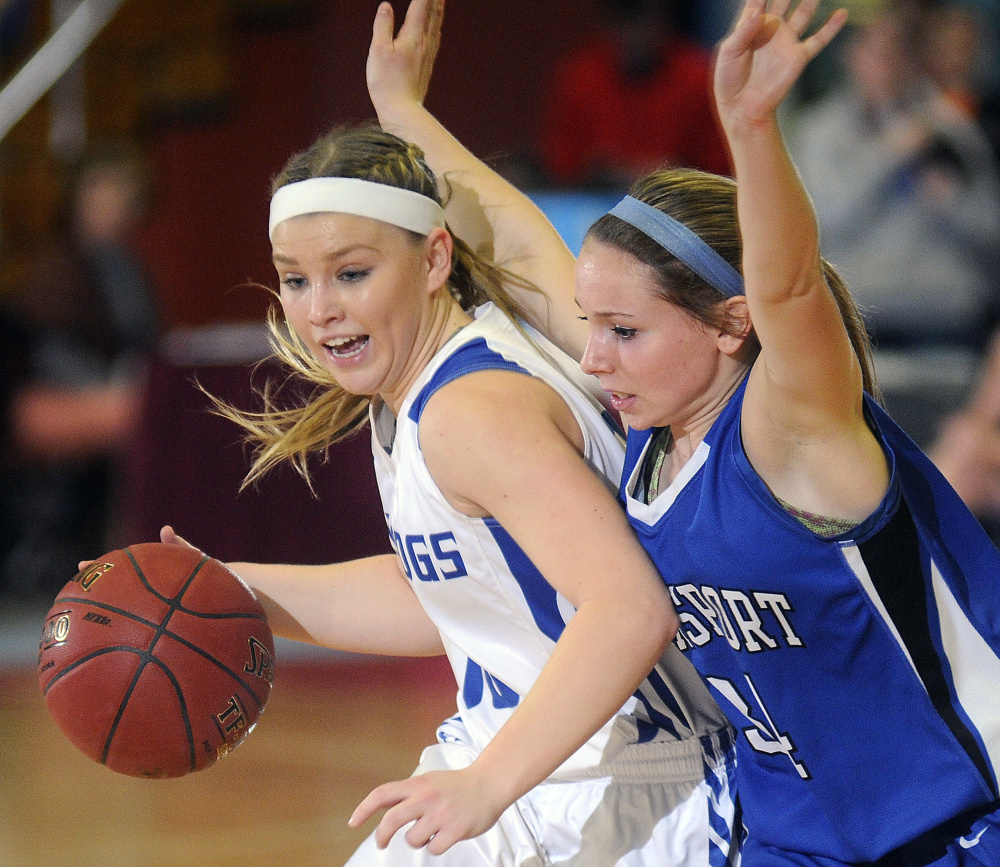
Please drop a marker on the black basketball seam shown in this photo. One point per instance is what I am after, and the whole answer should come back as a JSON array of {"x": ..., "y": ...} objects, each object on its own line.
[
  {"x": 185, "y": 716},
  {"x": 172, "y": 601},
  {"x": 92, "y": 655},
  {"x": 180, "y": 607},
  {"x": 176, "y": 603},
  {"x": 218, "y": 664},
  {"x": 172, "y": 605},
  {"x": 131, "y": 615},
  {"x": 176, "y": 637},
  {"x": 146, "y": 656},
  {"x": 232, "y": 615},
  {"x": 177, "y": 599}
]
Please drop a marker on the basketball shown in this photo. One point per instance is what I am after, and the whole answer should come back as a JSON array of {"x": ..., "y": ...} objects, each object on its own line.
[{"x": 156, "y": 660}]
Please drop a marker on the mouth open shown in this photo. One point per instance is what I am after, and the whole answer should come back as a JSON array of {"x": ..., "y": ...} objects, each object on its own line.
[
  {"x": 347, "y": 347},
  {"x": 621, "y": 402}
]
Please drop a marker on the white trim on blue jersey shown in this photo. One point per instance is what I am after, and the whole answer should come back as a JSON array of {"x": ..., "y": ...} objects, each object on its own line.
[{"x": 862, "y": 671}]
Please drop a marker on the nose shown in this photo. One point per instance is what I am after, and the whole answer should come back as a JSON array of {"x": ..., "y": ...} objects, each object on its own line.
[
  {"x": 595, "y": 359},
  {"x": 324, "y": 305}
]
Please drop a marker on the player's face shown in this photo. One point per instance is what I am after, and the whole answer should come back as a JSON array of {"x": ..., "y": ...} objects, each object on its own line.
[
  {"x": 355, "y": 291},
  {"x": 656, "y": 361}
]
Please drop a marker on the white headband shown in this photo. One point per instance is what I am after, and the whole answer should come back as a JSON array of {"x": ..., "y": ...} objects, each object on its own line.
[{"x": 403, "y": 208}]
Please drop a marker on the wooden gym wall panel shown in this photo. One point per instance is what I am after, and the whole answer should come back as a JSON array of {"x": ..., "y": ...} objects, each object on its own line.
[{"x": 207, "y": 235}]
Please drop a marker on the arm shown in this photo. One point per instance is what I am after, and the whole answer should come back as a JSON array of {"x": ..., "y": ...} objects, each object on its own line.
[
  {"x": 803, "y": 422},
  {"x": 486, "y": 211},
  {"x": 526, "y": 471},
  {"x": 60, "y": 423},
  {"x": 363, "y": 606}
]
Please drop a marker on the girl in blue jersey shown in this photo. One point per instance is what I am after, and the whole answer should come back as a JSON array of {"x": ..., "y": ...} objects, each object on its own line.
[
  {"x": 583, "y": 736},
  {"x": 834, "y": 593}
]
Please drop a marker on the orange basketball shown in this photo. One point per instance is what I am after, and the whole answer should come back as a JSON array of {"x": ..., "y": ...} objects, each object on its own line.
[{"x": 156, "y": 660}]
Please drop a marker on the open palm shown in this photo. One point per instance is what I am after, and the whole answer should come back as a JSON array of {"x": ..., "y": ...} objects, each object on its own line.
[{"x": 764, "y": 55}]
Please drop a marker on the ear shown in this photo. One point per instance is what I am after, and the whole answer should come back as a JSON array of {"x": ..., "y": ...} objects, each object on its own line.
[
  {"x": 438, "y": 247},
  {"x": 737, "y": 325}
]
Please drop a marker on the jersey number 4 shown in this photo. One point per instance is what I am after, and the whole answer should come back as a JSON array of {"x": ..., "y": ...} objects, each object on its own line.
[{"x": 762, "y": 735}]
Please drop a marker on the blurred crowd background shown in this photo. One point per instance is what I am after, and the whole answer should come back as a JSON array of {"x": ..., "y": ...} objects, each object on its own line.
[{"x": 134, "y": 261}]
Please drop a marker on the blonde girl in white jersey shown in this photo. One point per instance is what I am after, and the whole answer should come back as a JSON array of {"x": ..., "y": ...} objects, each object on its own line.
[{"x": 376, "y": 296}]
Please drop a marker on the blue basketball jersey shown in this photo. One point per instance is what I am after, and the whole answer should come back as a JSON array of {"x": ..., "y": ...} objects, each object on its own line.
[{"x": 862, "y": 671}]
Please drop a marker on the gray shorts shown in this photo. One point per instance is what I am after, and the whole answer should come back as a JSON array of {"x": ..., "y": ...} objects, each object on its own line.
[{"x": 658, "y": 805}]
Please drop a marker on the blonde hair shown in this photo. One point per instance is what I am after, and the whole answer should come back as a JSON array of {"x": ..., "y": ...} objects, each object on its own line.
[
  {"x": 706, "y": 204},
  {"x": 319, "y": 412}
]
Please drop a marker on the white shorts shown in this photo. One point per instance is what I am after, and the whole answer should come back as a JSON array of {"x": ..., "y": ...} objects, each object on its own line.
[{"x": 606, "y": 821}]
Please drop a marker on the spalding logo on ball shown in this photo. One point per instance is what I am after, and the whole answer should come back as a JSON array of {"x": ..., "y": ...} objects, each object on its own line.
[{"x": 156, "y": 660}]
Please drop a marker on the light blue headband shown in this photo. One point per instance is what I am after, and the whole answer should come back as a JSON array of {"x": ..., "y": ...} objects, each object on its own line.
[{"x": 678, "y": 239}]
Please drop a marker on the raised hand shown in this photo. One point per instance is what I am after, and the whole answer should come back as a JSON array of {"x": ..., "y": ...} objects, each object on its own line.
[
  {"x": 763, "y": 56},
  {"x": 444, "y": 807},
  {"x": 399, "y": 68}
]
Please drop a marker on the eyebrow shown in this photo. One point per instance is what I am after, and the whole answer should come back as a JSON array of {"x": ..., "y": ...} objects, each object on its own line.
[
  {"x": 609, "y": 314},
  {"x": 331, "y": 256}
]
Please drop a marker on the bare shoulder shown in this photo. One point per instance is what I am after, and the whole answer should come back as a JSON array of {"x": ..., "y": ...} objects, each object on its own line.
[{"x": 480, "y": 430}]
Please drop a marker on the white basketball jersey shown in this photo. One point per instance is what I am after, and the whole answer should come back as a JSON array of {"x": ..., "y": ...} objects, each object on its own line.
[{"x": 498, "y": 617}]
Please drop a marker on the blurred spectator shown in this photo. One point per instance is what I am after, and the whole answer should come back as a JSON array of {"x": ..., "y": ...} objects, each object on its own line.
[
  {"x": 907, "y": 191},
  {"x": 958, "y": 45},
  {"x": 967, "y": 448},
  {"x": 91, "y": 326},
  {"x": 636, "y": 96}
]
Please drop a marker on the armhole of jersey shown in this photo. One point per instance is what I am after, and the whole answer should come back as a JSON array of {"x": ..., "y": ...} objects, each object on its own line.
[{"x": 474, "y": 356}]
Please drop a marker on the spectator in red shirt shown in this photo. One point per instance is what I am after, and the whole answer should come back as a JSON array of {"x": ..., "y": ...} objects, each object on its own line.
[{"x": 635, "y": 97}]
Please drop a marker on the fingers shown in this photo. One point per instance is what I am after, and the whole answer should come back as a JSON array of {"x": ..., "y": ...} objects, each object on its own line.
[
  {"x": 400, "y": 811},
  {"x": 753, "y": 7},
  {"x": 415, "y": 803},
  {"x": 802, "y": 15},
  {"x": 383, "y": 27},
  {"x": 169, "y": 537},
  {"x": 745, "y": 33},
  {"x": 427, "y": 820},
  {"x": 436, "y": 16},
  {"x": 376, "y": 800},
  {"x": 756, "y": 12},
  {"x": 424, "y": 831},
  {"x": 824, "y": 36},
  {"x": 399, "y": 66},
  {"x": 434, "y": 20},
  {"x": 780, "y": 7},
  {"x": 422, "y": 17},
  {"x": 442, "y": 841}
]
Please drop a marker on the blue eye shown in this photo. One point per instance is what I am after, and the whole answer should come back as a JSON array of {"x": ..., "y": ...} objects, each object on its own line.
[
  {"x": 624, "y": 333},
  {"x": 353, "y": 275},
  {"x": 294, "y": 282}
]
